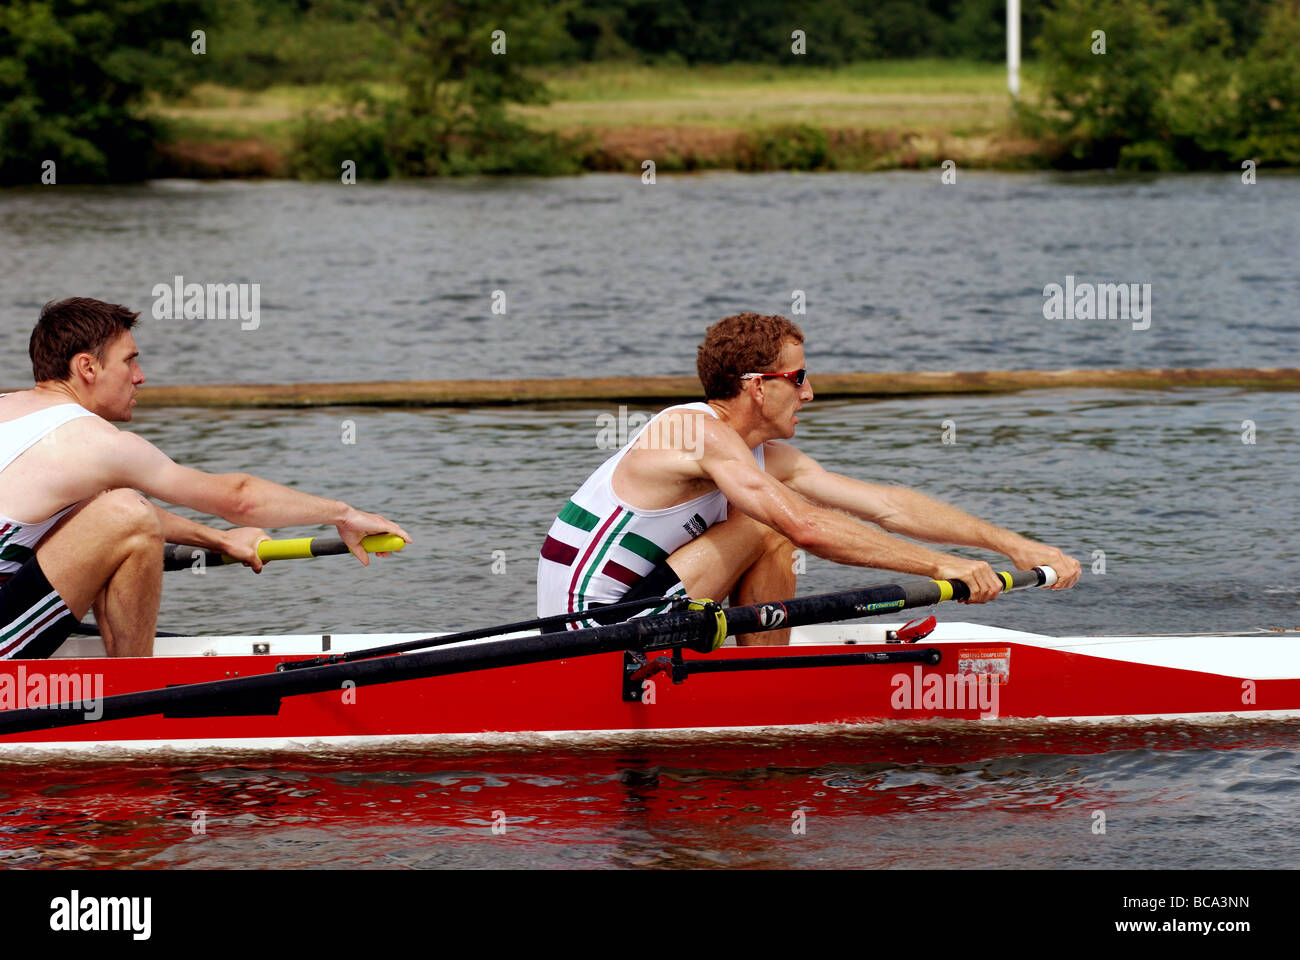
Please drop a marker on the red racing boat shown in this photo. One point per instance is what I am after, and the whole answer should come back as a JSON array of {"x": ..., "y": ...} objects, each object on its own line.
[{"x": 661, "y": 675}]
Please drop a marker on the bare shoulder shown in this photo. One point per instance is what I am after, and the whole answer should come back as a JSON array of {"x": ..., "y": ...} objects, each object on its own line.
[
  {"x": 682, "y": 434},
  {"x": 72, "y": 462},
  {"x": 717, "y": 436},
  {"x": 785, "y": 461},
  {"x": 91, "y": 429},
  {"x": 103, "y": 450},
  {"x": 696, "y": 419}
]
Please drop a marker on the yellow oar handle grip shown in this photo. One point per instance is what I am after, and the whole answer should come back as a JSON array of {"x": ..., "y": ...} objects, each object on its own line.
[
  {"x": 382, "y": 543},
  {"x": 303, "y": 548},
  {"x": 296, "y": 549},
  {"x": 300, "y": 548}
]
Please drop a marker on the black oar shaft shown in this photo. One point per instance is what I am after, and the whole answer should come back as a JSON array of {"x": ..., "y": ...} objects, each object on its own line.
[
  {"x": 819, "y": 609},
  {"x": 541, "y": 623},
  {"x": 180, "y": 557},
  {"x": 868, "y": 602}
]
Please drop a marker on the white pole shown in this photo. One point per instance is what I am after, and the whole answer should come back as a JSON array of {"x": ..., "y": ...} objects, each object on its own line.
[{"x": 1013, "y": 47}]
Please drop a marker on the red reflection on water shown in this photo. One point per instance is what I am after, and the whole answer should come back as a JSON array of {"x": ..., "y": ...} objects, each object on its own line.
[{"x": 701, "y": 802}]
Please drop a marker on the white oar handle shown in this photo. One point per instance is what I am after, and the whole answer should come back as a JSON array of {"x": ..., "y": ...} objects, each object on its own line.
[{"x": 1049, "y": 573}]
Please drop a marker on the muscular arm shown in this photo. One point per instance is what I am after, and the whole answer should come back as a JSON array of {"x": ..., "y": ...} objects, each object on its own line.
[
  {"x": 913, "y": 514},
  {"x": 128, "y": 460},
  {"x": 896, "y": 509},
  {"x": 822, "y": 531}
]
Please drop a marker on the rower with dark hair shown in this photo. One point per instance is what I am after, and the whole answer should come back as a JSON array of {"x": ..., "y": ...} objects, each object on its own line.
[
  {"x": 706, "y": 502},
  {"x": 74, "y": 532}
]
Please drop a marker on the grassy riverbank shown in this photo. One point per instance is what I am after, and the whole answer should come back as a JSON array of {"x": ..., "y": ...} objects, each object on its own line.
[{"x": 867, "y": 116}]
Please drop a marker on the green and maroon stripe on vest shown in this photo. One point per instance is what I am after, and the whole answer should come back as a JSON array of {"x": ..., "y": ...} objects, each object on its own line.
[
  {"x": 647, "y": 550},
  {"x": 599, "y": 546},
  {"x": 557, "y": 551}
]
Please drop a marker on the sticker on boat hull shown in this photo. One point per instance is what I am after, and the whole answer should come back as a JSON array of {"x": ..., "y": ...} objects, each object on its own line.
[{"x": 990, "y": 661}]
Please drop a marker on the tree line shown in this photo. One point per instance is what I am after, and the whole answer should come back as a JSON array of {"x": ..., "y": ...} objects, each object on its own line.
[{"x": 1177, "y": 83}]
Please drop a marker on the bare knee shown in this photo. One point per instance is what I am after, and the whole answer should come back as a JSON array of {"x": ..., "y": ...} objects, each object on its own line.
[
  {"x": 128, "y": 513},
  {"x": 769, "y": 539}
]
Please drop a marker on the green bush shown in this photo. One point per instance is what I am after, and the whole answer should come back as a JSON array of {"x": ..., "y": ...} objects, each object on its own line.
[
  {"x": 797, "y": 147},
  {"x": 1150, "y": 155},
  {"x": 320, "y": 147},
  {"x": 1100, "y": 102},
  {"x": 421, "y": 145}
]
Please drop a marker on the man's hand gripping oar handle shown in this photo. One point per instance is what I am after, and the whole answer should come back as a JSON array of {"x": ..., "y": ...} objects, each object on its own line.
[
  {"x": 180, "y": 557},
  {"x": 1016, "y": 580}
]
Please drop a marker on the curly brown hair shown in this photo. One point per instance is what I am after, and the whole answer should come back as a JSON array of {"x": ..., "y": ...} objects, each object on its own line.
[
  {"x": 744, "y": 343},
  {"x": 73, "y": 326}
]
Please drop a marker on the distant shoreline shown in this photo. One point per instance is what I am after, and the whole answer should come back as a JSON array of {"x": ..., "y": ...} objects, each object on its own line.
[
  {"x": 613, "y": 117},
  {"x": 676, "y": 150},
  {"x": 878, "y": 115}
]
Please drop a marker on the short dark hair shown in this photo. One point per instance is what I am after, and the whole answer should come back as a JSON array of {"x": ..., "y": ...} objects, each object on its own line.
[
  {"x": 73, "y": 326},
  {"x": 744, "y": 343}
]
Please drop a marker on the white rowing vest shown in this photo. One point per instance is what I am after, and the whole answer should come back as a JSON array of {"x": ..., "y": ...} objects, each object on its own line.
[
  {"x": 599, "y": 547},
  {"x": 18, "y": 539}
]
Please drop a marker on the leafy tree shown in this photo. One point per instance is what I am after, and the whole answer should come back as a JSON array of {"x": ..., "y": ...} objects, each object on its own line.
[
  {"x": 1176, "y": 87},
  {"x": 907, "y": 29},
  {"x": 721, "y": 31},
  {"x": 1137, "y": 103},
  {"x": 1268, "y": 93},
  {"x": 1101, "y": 101},
  {"x": 459, "y": 64},
  {"x": 265, "y": 42},
  {"x": 468, "y": 58},
  {"x": 977, "y": 29},
  {"x": 73, "y": 77}
]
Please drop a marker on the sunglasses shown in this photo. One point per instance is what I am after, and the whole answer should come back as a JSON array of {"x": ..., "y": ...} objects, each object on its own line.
[{"x": 797, "y": 377}]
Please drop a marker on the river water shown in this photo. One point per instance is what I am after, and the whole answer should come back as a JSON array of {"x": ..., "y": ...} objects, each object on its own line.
[{"x": 1181, "y": 525}]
